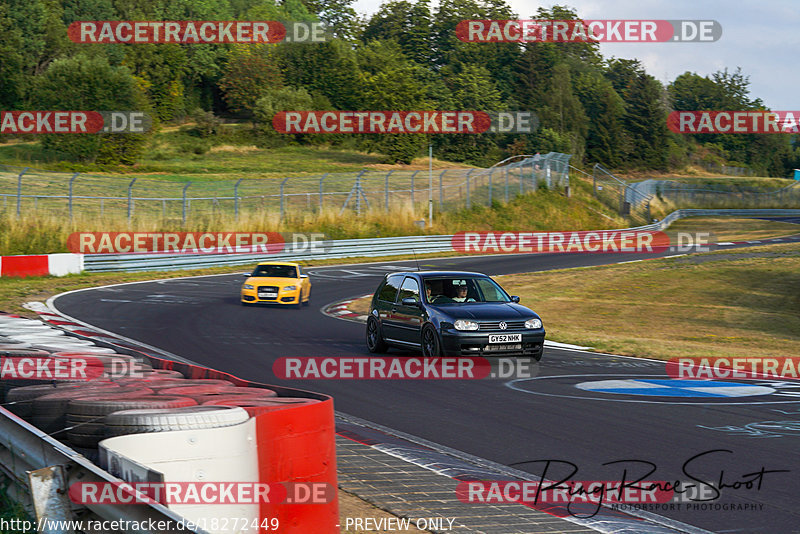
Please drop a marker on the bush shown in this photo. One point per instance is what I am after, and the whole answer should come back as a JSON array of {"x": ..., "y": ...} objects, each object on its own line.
[
  {"x": 90, "y": 84},
  {"x": 207, "y": 124}
]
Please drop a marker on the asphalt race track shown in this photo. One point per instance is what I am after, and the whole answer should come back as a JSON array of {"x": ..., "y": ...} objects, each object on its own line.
[{"x": 583, "y": 410}]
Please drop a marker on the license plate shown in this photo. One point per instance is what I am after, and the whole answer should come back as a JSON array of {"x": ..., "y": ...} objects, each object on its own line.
[
  {"x": 268, "y": 295},
  {"x": 505, "y": 338},
  {"x": 494, "y": 348}
]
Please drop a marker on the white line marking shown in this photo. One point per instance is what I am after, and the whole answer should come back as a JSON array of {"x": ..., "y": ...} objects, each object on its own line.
[{"x": 631, "y": 261}]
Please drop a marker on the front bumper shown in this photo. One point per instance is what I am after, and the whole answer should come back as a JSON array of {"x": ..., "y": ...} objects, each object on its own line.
[
  {"x": 476, "y": 343},
  {"x": 284, "y": 297}
]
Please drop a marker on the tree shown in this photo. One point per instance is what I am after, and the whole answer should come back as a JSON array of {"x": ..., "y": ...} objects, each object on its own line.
[
  {"x": 91, "y": 84},
  {"x": 407, "y": 23},
  {"x": 328, "y": 69},
  {"x": 472, "y": 88},
  {"x": 623, "y": 73},
  {"x": 605, "y": 110},
  {"x": 691, "y": 92},
  {"x": 337, "y": 15},
  {"x": 277, "y": 99},
  {"x": 390, "y": 81},
  {"x": 249, "y": 75},
  {"x": 563, "y": 112},
  {"x": 646, "y": 122}
]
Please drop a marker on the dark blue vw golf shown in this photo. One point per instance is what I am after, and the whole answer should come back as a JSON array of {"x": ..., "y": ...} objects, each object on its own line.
[{"x": 451, "y": 314}]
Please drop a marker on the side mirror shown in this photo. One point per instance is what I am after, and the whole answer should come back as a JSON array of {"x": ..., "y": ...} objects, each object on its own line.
[
  {"x": 303, "y": 276},
  {"x": 514, "y": 298},
  {"x": 247, "y": 275},
  {"x": 409, "y": 301}
]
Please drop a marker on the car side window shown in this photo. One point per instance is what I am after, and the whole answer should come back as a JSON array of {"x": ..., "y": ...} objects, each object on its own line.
[
  {"x": 409, "y": 289},
  {"x": 299, "y": 271},
  {"x": 388, "y": 292},
  {"x": 491, "y": 291}
]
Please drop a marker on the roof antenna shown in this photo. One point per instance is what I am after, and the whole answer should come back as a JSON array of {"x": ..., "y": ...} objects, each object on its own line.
[{"x": 415, "y": 258}]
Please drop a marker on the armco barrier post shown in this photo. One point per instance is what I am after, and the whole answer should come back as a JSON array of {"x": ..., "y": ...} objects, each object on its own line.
[
  {"x": 70, "y": 192},
  {"x": 322, "y": 179},
  {"x": 441, "y": 190},
  {"x": 386, "y": 190},
  {"x": 468, "y": 173},
  {"x": 282, "y": 206},
  {"x": 183, "y": 193},
  {"x": 19, "y": 191},
  {"x": 236, "y": 199},
  {"x": 130, "y": 199}
]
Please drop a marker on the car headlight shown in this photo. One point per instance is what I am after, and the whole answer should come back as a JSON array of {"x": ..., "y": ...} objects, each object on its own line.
[
  {"x": 290, "y": 288},
  {"x": 248, "y": 286},
  {"x": 533, "y": 323},
  {"x": 463, "y": 324}
]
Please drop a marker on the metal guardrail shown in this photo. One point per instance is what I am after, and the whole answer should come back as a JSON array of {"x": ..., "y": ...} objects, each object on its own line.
[
  {"x": 353, "y": 248},
  {"x": 41, "y": 471},
  {"x": 684, "y": 213},
  {"x": 343, "y": 248}
]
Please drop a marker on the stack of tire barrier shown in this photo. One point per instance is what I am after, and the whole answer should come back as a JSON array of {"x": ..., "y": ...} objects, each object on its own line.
[{"x": 162, "y": 396}]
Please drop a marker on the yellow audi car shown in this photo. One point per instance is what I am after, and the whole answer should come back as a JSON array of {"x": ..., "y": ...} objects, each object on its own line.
[{"x": 277, "y": 283}]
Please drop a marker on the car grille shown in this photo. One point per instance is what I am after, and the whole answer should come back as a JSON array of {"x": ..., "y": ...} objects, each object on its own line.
[
  {"x": 263, "y": 290},
  {"x": 495, "y": 325}
]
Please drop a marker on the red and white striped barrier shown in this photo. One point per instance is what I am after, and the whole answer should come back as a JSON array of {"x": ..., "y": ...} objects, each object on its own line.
[{"x": 41, "y": 265}]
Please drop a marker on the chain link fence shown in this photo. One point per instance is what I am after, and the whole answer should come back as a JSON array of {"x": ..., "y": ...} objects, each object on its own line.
[
  {"x": 627, "y": 199},
  {"x": 687, "y": 196},
  {"x": 635, "y": 199},
  {"x": 72, "y": 194},
  {"x": 727, "y": 169}
]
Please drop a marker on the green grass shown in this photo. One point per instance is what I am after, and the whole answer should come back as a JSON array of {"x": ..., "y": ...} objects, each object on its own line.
[
  {"x": 10, "y": 511},
  {"x": 734, "y": 303}
]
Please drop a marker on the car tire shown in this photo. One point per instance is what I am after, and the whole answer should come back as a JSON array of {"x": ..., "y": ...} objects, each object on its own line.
[
  {"x": 431, "y": 346},
  {"x": 307, "y": 301},
  {"x": 375, "y": 342},
  {"x": 143, "y": 421}
]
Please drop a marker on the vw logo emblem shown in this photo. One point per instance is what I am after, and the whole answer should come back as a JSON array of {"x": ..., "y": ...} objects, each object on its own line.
[{"x": 503, "y": 325}]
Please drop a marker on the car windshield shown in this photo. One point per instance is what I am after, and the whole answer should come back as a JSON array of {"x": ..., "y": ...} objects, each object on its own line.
[
  {"x": 276, "y": 271},
  {"x": 463, "y": 291}
]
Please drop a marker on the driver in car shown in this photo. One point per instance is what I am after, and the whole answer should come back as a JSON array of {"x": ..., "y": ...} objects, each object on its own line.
[
  {"x": 430, "y": 293},
  {"x": 461, "y": 295}
]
